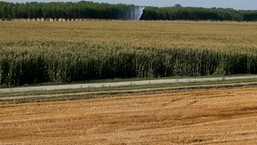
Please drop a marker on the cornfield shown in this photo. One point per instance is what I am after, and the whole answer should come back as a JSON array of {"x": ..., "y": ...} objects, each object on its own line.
[{"x": 39, "y": 52}]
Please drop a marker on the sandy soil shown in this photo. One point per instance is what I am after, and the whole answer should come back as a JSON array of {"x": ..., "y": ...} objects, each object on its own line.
[{"x": 223, "y": 116}]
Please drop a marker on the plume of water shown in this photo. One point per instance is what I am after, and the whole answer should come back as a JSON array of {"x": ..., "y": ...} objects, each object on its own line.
[{"x": 133, "y": 13}]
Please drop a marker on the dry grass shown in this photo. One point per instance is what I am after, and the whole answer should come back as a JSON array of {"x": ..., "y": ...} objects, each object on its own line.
[{"x": 198, "y": 117}]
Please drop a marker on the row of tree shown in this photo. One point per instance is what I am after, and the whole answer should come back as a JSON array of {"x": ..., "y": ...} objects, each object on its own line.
[
  {"x": 55, "y": 10},
  {"x": 190, "y": 13},
  {"x": 90, "y": 10}
]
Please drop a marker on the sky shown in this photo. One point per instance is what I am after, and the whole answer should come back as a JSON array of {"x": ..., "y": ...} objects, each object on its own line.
[{"x": 235, "y": 4}]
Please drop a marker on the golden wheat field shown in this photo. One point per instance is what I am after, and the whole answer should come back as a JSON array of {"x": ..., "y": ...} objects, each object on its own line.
[
  {"x": 223, "y": 116},
  {"x": 176, "y": 34}
]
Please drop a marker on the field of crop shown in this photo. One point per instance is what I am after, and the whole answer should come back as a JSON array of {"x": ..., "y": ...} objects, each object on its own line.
[
  {"x": 224, "y": 116},
  {"x": 39, "y": 52}
]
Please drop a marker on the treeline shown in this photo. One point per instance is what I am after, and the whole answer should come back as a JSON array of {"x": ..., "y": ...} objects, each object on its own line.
[
  {"x": 189, "y": 13},
  {"x": 90, "y": 10},
  {"x": 81, "y": 62},
  {"x": 65, "y": 10}
]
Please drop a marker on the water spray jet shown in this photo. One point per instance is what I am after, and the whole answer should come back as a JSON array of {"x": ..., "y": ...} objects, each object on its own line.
[{"x": 132, "y": 13}]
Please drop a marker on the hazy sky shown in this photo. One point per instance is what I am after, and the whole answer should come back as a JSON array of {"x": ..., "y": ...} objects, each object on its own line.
[{"x": 236, "y": 4}]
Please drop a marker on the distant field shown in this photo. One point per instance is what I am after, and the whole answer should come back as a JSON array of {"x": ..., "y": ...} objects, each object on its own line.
[
  {"x": 39, "y": 52},
  {"x": 223, "y": 116},
  {"x": 172, "y": 34}
]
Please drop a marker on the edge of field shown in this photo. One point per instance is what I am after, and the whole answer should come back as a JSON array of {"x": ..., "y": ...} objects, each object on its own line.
[{"x": 103, "y": 92}]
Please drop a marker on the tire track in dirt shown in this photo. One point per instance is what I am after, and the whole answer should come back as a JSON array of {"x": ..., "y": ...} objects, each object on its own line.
[{"x": 216, "y": 116}]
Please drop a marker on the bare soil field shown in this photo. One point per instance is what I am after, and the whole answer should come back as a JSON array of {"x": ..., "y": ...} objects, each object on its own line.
[{"x": 214, "y": 116}]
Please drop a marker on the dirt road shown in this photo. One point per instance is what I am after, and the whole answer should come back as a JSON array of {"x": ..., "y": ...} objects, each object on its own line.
[
  {"x": 115, "y": 84},
  {"x": 222, "y": 116}
]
